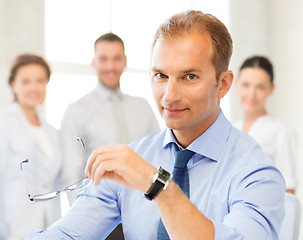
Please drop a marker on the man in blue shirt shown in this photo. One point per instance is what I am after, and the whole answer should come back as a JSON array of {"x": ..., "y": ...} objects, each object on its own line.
[{"x": 234, "y": 190}]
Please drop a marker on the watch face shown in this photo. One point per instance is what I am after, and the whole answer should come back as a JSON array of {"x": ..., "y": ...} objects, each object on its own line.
[{"x": 163, "y": 174}]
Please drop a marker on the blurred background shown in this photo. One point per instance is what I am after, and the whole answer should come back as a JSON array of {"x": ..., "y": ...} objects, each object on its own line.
[{"x": 64, "y": 32}]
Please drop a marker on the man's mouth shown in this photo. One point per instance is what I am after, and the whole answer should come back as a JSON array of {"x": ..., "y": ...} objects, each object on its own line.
[{"x": 174, "y": 111}]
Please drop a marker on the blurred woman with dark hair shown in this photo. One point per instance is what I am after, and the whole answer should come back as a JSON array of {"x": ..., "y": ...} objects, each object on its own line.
[
  {"x": 254, "y": 85},
  {"x": 26, "y": 135}
]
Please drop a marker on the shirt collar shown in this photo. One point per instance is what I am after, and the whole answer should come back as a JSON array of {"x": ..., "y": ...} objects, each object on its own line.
[
  {"x": 211, "y": 143},
  {"x": 105, "y": 93}
]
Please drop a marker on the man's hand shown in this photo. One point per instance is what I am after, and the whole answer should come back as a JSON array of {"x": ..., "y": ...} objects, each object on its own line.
[{"x": 122, "y": 165}]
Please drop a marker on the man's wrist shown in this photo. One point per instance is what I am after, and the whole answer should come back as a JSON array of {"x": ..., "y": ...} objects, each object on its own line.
[{"x": 160, "y": 182}]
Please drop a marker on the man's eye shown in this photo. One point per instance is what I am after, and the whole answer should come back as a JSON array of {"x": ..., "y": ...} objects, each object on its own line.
[
  {"x": 118, "y": 58},
  {"x": 161, "y": 75},
  {"x": 245, "y": 85},
  {"x": 191, "y": 77}
]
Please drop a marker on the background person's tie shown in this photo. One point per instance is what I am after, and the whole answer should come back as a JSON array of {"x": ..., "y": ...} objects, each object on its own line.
[
  {"x": 180, "y": 176},
  {"x": 123, "y": 134}
]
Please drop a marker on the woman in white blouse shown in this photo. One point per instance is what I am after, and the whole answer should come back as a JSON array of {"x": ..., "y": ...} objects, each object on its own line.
[
  {"x": 254, "y": 86},
  {"x": 25, "y": 135}
]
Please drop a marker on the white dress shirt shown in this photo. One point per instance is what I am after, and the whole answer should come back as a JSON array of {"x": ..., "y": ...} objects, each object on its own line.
[
  {"x": 93, "y": 119},
  {"x": 18, "y": 142},
  {"x": 278, "y": 141}
]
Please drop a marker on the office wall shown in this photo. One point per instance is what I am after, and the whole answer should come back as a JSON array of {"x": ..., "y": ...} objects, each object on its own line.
[
  {"x": 4, "y": 91},
  {"x": 21, "y": 30},
  {"x": 269, "y": 27}
]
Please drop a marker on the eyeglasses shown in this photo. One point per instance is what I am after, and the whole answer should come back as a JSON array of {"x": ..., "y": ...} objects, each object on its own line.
[{"x": 48, "y": 196}]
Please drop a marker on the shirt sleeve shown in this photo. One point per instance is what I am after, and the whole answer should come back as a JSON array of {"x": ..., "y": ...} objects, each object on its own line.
[
  {"x": 93, "y": 215},
  {"x": 255, "y": 206}
]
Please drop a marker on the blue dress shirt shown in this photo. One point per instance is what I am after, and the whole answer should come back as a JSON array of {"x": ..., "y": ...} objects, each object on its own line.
[{"x": 232, "y": 182}]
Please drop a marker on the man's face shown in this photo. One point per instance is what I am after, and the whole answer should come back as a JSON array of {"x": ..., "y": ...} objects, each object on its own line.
[
  {"x": 184, "y": 83},
  {"x": 109, "y": 63}
]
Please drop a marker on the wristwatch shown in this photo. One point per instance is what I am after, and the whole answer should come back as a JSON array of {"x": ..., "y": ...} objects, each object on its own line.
[{"x": 160, "y": 181}]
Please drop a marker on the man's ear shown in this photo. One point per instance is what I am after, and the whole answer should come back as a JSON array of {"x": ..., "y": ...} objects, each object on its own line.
[
  {"x": 225, "y": 81},
  {"x": 125, "y": 59}
]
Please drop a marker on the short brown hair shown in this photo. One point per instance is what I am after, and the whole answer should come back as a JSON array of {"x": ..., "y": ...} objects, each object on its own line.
[
  {"x": 27, "y": 59},
  {"x": 196, "y": 21},
  {"x": 109, "y": 37}
]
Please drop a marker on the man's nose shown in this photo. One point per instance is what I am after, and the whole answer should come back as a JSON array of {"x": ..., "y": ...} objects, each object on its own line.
[
  {"x": 34, "y": 86},
  {"x": 110, "y": 65},
  {"x": 171, "y": 94}
]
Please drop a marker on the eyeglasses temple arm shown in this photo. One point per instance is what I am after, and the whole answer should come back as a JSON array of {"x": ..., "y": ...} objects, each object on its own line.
[
  {"x": 25, "y": 161},
  {"x": 21, "y": 164},
  {"x": 81, "y": 141}
]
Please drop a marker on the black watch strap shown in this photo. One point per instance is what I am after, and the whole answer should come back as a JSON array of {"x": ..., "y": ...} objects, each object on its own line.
[
  {"x": 154, "y": 190},
  {"x": 160, "y": 181}
]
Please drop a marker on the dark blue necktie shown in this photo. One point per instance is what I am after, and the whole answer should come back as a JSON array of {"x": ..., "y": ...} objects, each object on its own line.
[{"x": 180, "y": 176}]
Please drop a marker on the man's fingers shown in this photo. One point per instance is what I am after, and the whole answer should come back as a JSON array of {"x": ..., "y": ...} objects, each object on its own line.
[
  {"x": 90, "y": 161},
  {"x": 94, "y": 166},
  {"x": 117, "y": 163},
  {"x": 104, "y": 168},
  {"x": 86, "y": 171},
  {"x": 98, "y": 152},
  {"x": 99, "y": 160}
]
